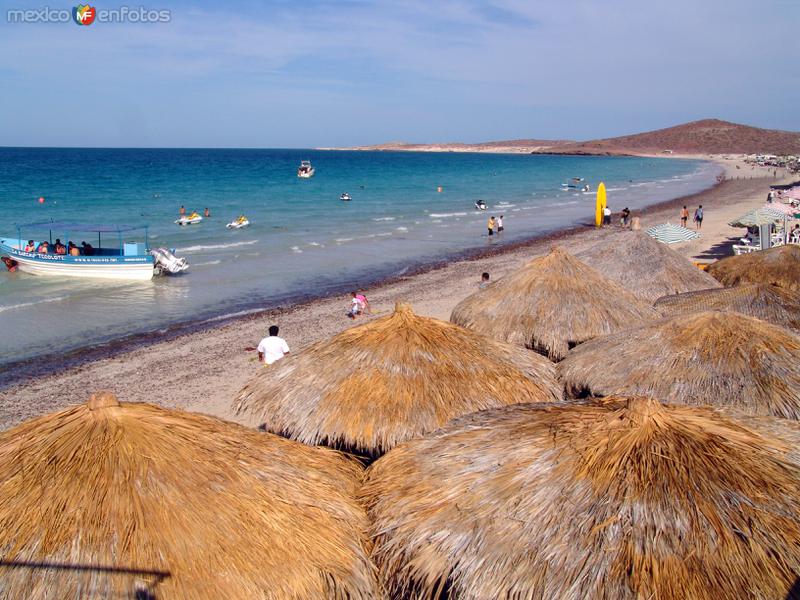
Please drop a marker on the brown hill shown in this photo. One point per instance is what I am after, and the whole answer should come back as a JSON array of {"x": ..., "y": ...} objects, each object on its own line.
[{"x": 709, "y": 136}]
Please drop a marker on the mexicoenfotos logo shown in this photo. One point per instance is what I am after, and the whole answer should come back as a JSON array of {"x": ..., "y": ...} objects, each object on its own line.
[{"x": 83, "y": 14}]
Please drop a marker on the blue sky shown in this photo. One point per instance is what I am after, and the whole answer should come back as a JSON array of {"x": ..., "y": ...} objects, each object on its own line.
[{"x": 320, "y": 73}]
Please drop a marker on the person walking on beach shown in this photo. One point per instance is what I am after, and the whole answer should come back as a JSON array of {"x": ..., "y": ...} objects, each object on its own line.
[
  {"x": 499, "y": 224},
  {"x": 623, "y": 217},
  {"x": 684, "y": 216},
  {"x": 272, "y": 347},
  {"x": 490, "y": 225},
  {"x": 698, "y": 217}
]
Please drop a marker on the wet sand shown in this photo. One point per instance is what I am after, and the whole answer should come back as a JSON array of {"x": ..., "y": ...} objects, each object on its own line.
[{"x": 203, "y": 370}]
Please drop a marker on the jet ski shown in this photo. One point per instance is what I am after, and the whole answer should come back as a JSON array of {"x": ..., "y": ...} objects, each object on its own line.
[
  {"x": 345, "y": 197},
  {"x": 480, "y": 205},
  {"x": 242, "y": 221},
  {"x": 192, "y": 219}
]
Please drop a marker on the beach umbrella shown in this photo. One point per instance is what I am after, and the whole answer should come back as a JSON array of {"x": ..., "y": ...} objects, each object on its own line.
[
  {"x": 625, "y": 499},
  {"x": 725, "y": 358},
  {"x": 777, "y": 266},
  {"x": 551, "y": 304},
  {"x": 667, "y": 233},
  {"x": 766, "y": 302},
  {"x": 111, "y": 500},
  {"x": 397, "y": 377},
  {"x": 779, "y": 207},
  {"x": 758, "y": 217},
  {"x": 645, "y": 267}
]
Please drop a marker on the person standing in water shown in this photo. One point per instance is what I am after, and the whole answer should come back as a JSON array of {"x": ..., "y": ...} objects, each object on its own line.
[
  {"x": 182, "y": 211},
  {"x": 490, "y": 225},
  {"x": 206, "y": 213},
  {"x": 499, "y": 224}
]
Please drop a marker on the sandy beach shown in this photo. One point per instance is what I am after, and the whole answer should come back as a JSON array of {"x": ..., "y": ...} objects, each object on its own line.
[{"x": 202, "y": 371}]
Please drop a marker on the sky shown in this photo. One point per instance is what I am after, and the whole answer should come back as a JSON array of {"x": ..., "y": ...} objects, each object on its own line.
[{"x": 325, "y": 73}]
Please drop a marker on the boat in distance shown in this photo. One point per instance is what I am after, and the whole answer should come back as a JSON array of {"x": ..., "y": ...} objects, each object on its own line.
[
  {"x": 345, "y": 197},
  {"x": 35, "y": 252},
  {"x": 305, "y": 170}
]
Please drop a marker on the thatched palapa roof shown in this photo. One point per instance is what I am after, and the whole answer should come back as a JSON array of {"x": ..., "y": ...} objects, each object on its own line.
[
  {"x": 551, "y": 304},
  {"x": 106, "y": 500},
  {"x": 374, "y": 386},
  {"x": 713, "y": 357},
  {"x": 623, "y": 500},
  {"x": 645, "y": 266},
  {"x": 777, "y": 266},
  {"x": 766, "y": 302}
]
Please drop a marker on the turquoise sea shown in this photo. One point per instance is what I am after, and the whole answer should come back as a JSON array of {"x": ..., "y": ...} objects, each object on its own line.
[{"x": 303, "y": 241}]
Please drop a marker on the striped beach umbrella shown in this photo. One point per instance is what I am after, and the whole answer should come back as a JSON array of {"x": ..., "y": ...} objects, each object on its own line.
[
  {"x": 758, "y": 217},
  {"x": 784, "y": 209},
  {"x": 667, "y": 233}
]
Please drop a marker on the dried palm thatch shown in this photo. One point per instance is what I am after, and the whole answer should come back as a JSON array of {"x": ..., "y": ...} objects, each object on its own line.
[
  {"x": 550, "y": 305},
  {"x": 777, "y": 266},
  {"x": 372, "y": 387},
  {"x": 622, "y": 500},
  {"x": 106, "y": 500},
  {"x": 645, "y": 266},
  {"x": 766, "y": 302},
  {"x": 722, "y": 358}
]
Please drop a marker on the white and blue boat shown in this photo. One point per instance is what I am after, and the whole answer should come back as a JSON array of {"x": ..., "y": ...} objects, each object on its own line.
[{"x": 124, "y": 254}]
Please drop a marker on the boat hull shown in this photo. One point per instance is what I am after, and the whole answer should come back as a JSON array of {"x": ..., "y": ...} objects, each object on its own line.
[{"x": 138, "y": 268}]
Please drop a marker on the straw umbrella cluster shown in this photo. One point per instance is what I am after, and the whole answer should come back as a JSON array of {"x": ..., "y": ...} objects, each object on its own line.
[
  {"x": 488, "y": 487},
  {"x": 397, "y": 377},
  {"x": 118, "y": 500},
  {"x": 777, "y": 266},
  {"x": 626, "y": 499},
  {"x": 769, "y": 303},
  {"x": 645, "y": 266},
  {"x": 715, "y": 357},
  {"x": 552, "y": 304}
]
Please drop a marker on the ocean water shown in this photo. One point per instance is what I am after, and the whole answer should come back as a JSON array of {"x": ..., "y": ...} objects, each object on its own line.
[{"x": 303, "y": 241}]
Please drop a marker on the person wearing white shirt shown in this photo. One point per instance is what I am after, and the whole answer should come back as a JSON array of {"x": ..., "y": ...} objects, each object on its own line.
[{"x": 272, "y": 347}]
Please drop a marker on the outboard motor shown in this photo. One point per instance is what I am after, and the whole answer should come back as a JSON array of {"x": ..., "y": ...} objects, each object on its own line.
[{"x": 167, "y": 262}]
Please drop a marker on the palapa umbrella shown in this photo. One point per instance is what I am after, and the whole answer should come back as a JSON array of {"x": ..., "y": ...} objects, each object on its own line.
[
  {"x": 766, "y": 302},
  {"x": 646, "y": 267},
  {"x": 778, "y": 266},
  {"x": 623, "y": 500},
  {"x": 667, "y": 233},
  {"x": 724, "y": 358},
  {"x": 373, "y": 386},
  {"x": 551, "y": 304},
  {"x": 110, "y": 500}
]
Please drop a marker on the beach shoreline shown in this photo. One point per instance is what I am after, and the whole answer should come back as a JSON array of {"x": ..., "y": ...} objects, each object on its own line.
[{"x": 201, "y": 369}]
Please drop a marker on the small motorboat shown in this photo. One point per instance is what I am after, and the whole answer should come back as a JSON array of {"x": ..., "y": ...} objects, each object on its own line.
[
  {"x": 192, "y": 219},
  {"x": 305, "y": 170},
  {"x": 242, "y": 221},
  {"x": 345, "y": 197},
  {"x": 480, "y": 205}
]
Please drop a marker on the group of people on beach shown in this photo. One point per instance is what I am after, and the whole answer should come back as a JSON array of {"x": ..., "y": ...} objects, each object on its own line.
[
  {"x": 495, "y": 225},
  {"x": 698, "y": 216},
  {"x": 70, "y": 249}
]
